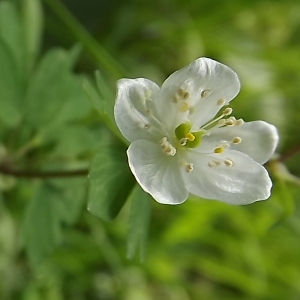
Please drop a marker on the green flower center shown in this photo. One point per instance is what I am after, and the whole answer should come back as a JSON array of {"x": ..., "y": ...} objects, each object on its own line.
[{"x": 187, "y": 138}]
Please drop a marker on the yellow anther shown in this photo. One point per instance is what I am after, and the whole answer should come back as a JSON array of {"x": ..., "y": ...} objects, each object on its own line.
[
  {"x": 184, "y": 107},
  {"x": 221, "y": 102},
  {"x": 190, "y": 136},
  {"x": 219, "y": 150},
  {"x": 236, "y": 140},
  {"x": 205, "y": 93}
]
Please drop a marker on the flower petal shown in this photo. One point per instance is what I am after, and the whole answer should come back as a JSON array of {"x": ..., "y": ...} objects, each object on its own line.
[
  {"x": 259, "y": 139},
  {"x": 158, "y": 174},
  {"x": 134, "y": 108},
  {"x": 243, "y": 183},
  {"x": 196, "y": 92}
]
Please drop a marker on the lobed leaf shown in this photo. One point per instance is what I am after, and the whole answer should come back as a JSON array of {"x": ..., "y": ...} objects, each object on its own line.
[
  {"x": 9, "y": 87},
  {"x": 53, "y": 204},
  {"x": 138, "y": 223},
  {"x": 11, "y": 31},
  {"x": 110, "y": 183},
  {"x": 33, "y": 27},
  {"x": 55, "y": 95}
]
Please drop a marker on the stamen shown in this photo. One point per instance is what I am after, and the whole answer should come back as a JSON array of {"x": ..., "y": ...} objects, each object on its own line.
[
  {"x": 228, "y": 162},
  {"x": 192, "y": 110},
  {"x": 167, "y": 148},
  {"x": 230, "y": 121},
  {"x": 189, "y": 168},
  {"x": 227, "y": 111},
  {"x": 183, "y": 141},
  {"x": 184, "y": 107},
  {"x": 147, "y": 126},
  {"x": 236, "y": 140},
  {"x": 221, "y": 122},
  {"x": 170, "y": 151},
  {"x": 205, "y": 93},
  {"x": 190, "y": 136},
  {"x": 221, "y": 102},
  {"x": 219, "y": 150},
  {"x": 239, "y": 122}
]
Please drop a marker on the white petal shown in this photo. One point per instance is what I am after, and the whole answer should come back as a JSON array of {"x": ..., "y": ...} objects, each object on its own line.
[
  {"x": 243, "y": 183},
  {"x": 158, "y": 174},
  {"x": 134, "y": 109},
  {"x": 206, "y": 82},
  {"x": 259, "y": 139}
]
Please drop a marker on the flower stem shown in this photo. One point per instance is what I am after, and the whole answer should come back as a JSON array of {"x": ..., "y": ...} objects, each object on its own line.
[{"x": 100, "y": 54}]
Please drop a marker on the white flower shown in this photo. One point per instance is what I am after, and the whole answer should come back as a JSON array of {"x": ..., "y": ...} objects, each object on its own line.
[{"x": 179, "y": 146}]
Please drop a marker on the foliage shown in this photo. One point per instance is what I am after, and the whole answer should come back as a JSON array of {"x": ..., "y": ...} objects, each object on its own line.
[{"x": 56, "y": 120}]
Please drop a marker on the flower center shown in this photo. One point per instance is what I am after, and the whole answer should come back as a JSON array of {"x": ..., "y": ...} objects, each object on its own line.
[
  {"x": 187, "y": 138},
  {"x": 192, "y": 139}
]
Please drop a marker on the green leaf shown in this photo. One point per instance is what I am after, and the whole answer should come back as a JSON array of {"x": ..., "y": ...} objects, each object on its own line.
[
  {"x": 138, "y": 223},
  {"x": 8, "y": 232},
  {"x": 102, "y": 99},
  {"x": 72, "y": 198},
  {"x": 107, "y": 97},
  {"x": 110, "y": 182},
  {"x": 71, "y": 141},
  {"x": 53, "y": 204},
  {"x": 9, "y": 88},
  {"x": 93, "y": 95},
  {"x": 33, "y": 28},
  {"x": 11, "y": 32},
  {"x": 55, "y": 95},
  {"x": 42, "y": 232}
]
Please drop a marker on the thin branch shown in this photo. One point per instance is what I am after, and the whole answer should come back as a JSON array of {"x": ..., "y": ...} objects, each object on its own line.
[
  {"x": 289, "y": 153},
  {"x": 41, "y": 174}
]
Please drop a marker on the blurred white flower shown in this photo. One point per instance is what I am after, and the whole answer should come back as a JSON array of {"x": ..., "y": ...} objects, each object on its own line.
[{"x": 179, "y": 146}]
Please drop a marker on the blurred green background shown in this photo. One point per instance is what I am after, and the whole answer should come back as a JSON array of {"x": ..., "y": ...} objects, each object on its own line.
[{"x": 51, "y": 247}]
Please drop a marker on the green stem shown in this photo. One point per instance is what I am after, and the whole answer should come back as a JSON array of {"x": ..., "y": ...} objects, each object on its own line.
[
  {"x": 6, "y": 170},
  {"x": 103, "y": 58}
]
